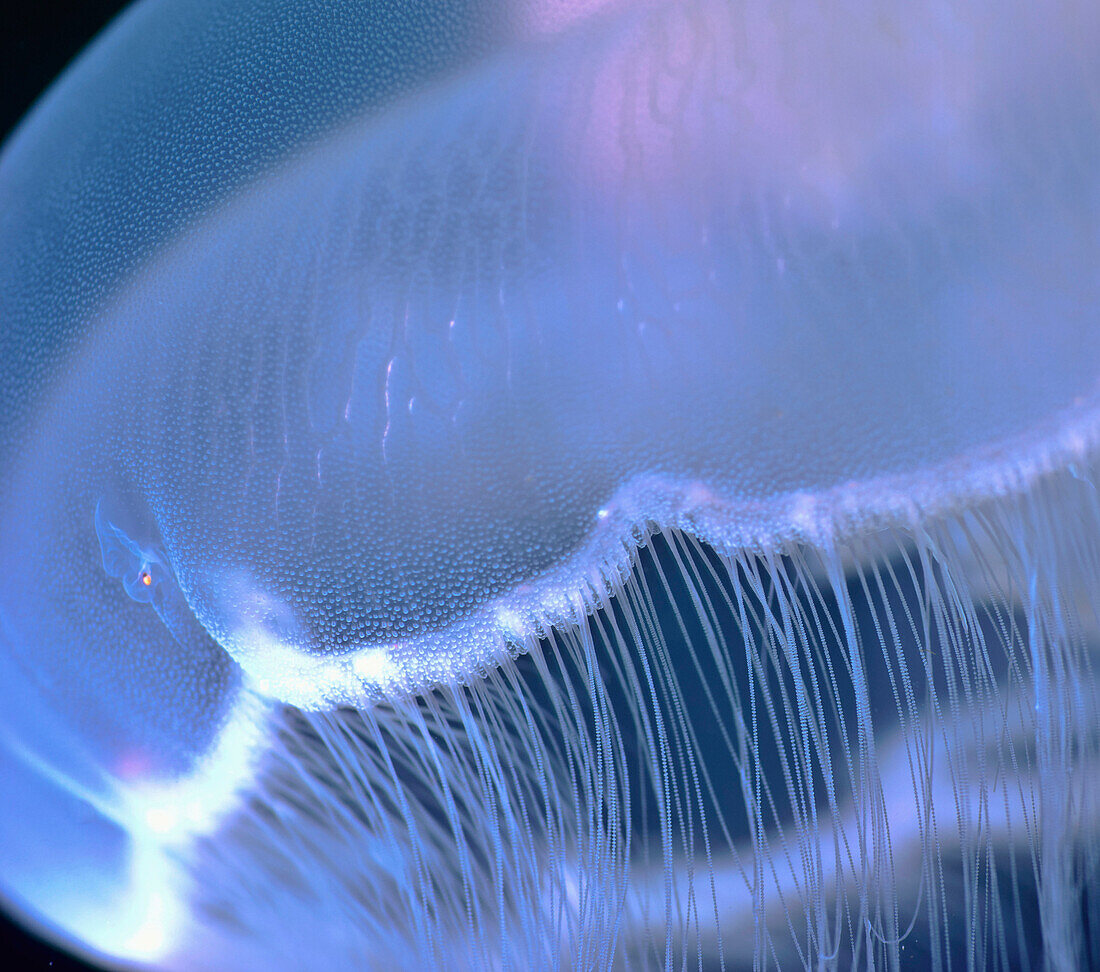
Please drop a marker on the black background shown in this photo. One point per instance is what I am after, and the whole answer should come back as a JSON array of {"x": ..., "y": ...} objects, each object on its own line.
[{"x": 38, "y": 39}]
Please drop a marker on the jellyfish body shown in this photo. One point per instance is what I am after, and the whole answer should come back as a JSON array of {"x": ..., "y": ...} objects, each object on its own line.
[{"x": 538, "y": 485}]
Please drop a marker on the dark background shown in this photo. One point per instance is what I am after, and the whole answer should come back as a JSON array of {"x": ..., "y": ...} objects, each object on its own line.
[{"x": 38, "y": 39}]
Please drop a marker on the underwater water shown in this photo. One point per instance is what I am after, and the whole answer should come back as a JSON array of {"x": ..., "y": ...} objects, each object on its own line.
[{"x": 555, "y": 485}]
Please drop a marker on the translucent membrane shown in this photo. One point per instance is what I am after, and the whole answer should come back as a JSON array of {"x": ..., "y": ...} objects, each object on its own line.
[
  {"x": 884, "y": 755},
  {"x": 555, "y": 485}
]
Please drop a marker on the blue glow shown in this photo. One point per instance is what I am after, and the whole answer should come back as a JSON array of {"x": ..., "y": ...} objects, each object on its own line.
[{"x": 494, "y": 484}]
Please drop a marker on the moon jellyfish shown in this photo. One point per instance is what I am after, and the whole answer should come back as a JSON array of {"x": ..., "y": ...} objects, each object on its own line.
[{"x": 581, "y": 485}]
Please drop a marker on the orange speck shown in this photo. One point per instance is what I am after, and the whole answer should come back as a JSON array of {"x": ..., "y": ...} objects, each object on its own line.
[{"x": 146, "y": 579}]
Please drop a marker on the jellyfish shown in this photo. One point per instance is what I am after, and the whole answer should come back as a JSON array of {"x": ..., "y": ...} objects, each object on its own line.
[{"x": 573, "y": 484}]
